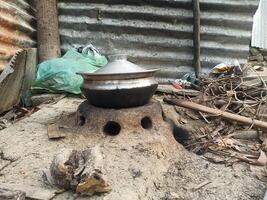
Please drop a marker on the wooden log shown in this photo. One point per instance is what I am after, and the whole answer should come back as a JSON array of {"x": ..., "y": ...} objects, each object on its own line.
[
  {"x": 196, "y": 13},
  {"x": 81, "y": 171},
  {"x": 10, "y": 194},
  {"x": 92, "y": 179},
  {"x": 226, "y": 115},
  {"x": 47, "y": 30}
]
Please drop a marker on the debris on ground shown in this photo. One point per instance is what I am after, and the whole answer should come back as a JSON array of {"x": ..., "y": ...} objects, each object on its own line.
[
  {"x": 223, "y": 69},
  {"x": 80, "y": 171},
  {"x": 16, "y": 114},
  {"x": 39, "y": 99},
  {"x": 138, "y": 164},
  {"x": 217, "y": 112},
  {"x": 54, "y": 132},
  {"x": 201, "y": 185},
  {"x": 6, "y": 193},
  {"x": 21, "y": 192},
  {"x": 169, "y": 89},
  {"x": 234, "y": 112}
]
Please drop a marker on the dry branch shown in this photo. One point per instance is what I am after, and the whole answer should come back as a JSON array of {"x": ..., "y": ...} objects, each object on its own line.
[{"x": 226, "y": 115}]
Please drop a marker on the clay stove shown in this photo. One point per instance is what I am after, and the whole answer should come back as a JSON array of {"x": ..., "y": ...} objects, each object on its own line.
[
  {"x": 124, "y": 131},
  {"x": 112, "y": 122},
  {"x": 135, "y": 145}
]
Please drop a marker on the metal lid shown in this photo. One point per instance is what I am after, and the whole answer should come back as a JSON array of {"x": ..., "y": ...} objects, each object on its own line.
[
  {"x": 119, "y": 65},
  {"x": 119, "y": 68}
]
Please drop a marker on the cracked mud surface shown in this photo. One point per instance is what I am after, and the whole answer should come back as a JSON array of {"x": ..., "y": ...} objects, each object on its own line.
[{"x": 26, "y": 151}]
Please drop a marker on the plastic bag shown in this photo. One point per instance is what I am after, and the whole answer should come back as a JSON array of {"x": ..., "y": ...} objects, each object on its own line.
[{"x": 59, "y": 75}]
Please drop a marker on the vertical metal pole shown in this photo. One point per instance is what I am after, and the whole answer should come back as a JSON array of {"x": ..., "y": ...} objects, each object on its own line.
[
  {"x": 196, "y": 13},
  {"x": 47, "y": 29}
]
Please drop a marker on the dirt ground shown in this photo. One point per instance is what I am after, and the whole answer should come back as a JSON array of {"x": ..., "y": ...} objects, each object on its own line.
[{"x": 136, "y": 170}]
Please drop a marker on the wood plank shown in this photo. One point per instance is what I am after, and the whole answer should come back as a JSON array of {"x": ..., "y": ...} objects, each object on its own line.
[{"x": 11, "y": 86}]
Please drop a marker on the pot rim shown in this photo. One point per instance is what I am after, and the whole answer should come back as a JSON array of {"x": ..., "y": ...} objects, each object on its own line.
[{"x": 118, "y": 76}]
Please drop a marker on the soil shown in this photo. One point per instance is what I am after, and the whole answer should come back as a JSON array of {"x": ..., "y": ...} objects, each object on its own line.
[{"x": 151, "y": 167}]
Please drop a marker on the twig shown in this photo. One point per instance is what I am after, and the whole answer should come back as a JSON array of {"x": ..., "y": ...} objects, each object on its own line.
[
  {"x": 201, "y": 185},
  {"x": 202, "y": 115}
]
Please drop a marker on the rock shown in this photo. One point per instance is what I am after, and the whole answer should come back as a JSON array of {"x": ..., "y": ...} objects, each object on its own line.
[
  {"x": 254, "y": 51},
  {"x": 265, "y": 58},
  {"x": 258, "y": 58},
  {"x": 253, "y": 63},
  {"x": 263, "y": 52},
  {"x": 258, "y": 68}
]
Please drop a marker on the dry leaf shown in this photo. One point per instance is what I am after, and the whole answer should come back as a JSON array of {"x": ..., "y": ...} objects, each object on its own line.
[{"x": 262, "y": 160}]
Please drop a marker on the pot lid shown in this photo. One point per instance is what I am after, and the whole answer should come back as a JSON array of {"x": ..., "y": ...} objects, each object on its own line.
[
  {"x": 120, "y": 65},
  {"x": 119, "y": 69}
]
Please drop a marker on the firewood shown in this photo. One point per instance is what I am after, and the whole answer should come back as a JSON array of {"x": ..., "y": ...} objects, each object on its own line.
[
  {"x": 80, "y": 171},
  {"x": 226, "y": 115}
]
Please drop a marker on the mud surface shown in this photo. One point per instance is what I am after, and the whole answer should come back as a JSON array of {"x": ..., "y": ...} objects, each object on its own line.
[{"x": 153, "y": 166}]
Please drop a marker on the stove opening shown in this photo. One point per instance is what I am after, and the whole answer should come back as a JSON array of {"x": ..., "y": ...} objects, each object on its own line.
[
  {"x": 146, "y": 122},
  {"x": 81, "y": 120},
  {"x": 112, "y": 128}
]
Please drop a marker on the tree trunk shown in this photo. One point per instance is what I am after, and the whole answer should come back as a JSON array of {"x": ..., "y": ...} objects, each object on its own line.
[
  {"x": 47, "y": 29},
  {"x": 196, "y": 12}
]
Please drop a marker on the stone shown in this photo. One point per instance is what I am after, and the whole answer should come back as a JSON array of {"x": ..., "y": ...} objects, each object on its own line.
[
  {"x": 254, "y": 51},
  {"x": 263, "y": 52},
  {"x": 258, "y": 58}
]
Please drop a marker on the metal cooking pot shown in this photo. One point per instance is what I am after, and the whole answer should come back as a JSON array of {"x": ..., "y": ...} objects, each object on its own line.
[{"x": 119, "y": 84}]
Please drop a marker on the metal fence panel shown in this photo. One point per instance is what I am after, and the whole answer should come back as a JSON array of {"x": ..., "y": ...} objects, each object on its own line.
[
  {"x": 155, "y": 34},
  {"x": 16, "y": 28},
  {"x": 226, "y": 27},
  {"x": 159, "y": 33}
]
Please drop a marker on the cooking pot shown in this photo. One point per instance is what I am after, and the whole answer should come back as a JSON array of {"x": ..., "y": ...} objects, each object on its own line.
[{"x": 119, "y": 84}]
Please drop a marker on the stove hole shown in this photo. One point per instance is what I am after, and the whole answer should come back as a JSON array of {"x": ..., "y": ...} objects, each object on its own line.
[
  {"x": 81, "y": 120},
  {"x": 146, "y": 122},
  {"x": 112, "y": 128}
]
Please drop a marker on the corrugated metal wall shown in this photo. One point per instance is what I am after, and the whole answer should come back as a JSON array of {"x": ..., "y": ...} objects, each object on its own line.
[
  {"x": 153, "y": 33},
  {"x": 226, "y": 27},
  {"x": 158, "y": 33},
  {"x": 16, "y": 28}
]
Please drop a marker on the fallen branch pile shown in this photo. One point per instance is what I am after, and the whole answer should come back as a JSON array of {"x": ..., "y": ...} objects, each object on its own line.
[
  {"x": 235, "y": 95},
  {"x": 234, "y": 110}
]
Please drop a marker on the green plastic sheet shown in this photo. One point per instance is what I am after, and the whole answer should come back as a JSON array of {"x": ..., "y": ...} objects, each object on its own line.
[{"x": 59, "y": 75}]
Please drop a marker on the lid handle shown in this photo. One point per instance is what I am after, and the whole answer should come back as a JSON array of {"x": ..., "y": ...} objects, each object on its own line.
[{"x": 115, "y": 57}]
